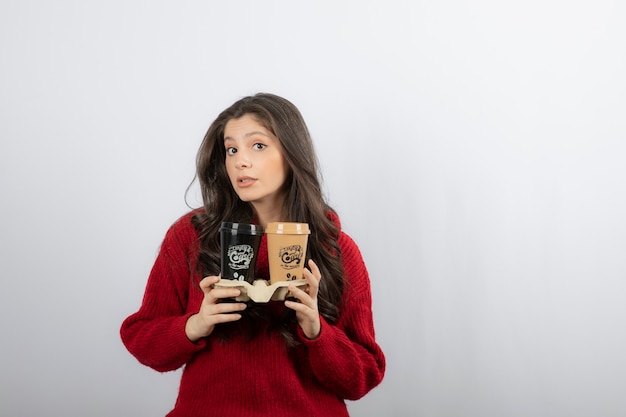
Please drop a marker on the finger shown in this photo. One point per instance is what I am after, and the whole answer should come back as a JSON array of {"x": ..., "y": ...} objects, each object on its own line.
[
  {"x": 313, "y": 282},
  {"x": 225, "y": 308},
  {"x": 296, "y": 306},
  {"x": 315, "y": 270},
  {"x": 207, "y": 283},
  {"x": 225, "y": 318},
  {"x": 297, "y": 292},
  {"x": 219, "y": 293},
  {"x": 311, "y": 278},
  {"x": 221, "y": 312},
  {"x": 302, "y": 296}
]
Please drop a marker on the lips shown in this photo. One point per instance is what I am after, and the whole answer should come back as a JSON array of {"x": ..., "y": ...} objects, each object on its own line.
[{"x": 243, "y": 182}]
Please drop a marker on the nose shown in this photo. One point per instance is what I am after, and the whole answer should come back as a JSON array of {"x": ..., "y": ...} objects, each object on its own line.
[{"x": 243, "y": 161}]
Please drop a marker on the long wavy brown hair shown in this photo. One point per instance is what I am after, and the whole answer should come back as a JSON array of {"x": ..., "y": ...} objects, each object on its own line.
[{"x": 304, "y": 202}]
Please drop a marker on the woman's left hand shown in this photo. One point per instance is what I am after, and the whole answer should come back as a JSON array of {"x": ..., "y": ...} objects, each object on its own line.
[{"x": 306, "y": 310}]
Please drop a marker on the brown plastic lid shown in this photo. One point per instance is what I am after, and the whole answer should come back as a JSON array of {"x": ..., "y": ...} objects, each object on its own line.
[{"x": 288, "y": 228}]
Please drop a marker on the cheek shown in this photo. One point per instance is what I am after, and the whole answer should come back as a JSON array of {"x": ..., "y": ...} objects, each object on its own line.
[
  {"x": 281, "y": 165},
  {"x": 286, "y": 169},
  {"x": 285, "y": 172},
  {"x": 230, "y": 169}
]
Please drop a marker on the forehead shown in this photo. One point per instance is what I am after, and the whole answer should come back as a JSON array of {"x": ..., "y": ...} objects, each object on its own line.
[{"x": 245, "y": 126}]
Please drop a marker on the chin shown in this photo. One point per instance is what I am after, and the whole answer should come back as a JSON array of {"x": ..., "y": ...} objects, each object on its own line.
[{"x": 245, "y": 198}]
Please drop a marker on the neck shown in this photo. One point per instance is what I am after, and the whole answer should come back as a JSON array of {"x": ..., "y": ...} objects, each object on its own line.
[{"x": 267, "y": 214}]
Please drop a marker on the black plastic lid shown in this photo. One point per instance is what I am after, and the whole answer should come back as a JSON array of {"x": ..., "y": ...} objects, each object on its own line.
[{"x": 245, "y": 228}]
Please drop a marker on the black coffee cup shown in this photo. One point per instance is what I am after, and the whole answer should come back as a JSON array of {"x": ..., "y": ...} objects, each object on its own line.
[{"x": 240, "y": 245}]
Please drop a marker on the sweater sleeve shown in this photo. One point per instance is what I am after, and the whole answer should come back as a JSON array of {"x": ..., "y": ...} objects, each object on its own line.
[
  {"x": 345, "y": 357},
  {"x": 155, "y": 334}
]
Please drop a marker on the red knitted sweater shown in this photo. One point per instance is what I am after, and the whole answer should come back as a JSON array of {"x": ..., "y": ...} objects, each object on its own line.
[{"x": 261, "y": 376}]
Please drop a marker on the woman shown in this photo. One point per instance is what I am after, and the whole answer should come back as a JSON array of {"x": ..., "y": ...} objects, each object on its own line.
[{"x": 302, "y": 356}]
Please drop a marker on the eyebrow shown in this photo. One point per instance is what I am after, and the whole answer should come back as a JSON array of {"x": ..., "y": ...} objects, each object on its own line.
[{"x": 247, "y": 135}]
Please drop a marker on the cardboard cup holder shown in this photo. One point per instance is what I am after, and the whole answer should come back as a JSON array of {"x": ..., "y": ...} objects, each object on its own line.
[{"x": 261, "y": 291}]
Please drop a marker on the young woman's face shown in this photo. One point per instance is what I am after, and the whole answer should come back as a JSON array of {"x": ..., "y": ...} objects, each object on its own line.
[{"x": 254, "y": 161}]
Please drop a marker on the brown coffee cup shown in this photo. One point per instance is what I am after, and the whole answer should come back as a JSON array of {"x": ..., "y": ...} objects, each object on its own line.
[{"x": 286, "y": 250}]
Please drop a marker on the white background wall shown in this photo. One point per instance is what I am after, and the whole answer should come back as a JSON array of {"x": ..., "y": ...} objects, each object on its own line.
[{"x": 475, "y": 150}]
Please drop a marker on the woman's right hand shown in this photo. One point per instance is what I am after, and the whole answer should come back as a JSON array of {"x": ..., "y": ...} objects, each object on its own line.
[{"x": 212, "y": 311}]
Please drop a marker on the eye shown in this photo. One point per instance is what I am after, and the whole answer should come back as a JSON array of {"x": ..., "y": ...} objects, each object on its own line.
[
  {"x": 231, "y": 151},
  {"x": 259, "y": 146}
]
